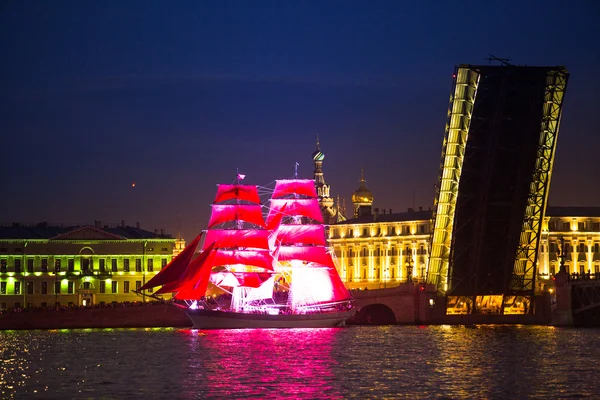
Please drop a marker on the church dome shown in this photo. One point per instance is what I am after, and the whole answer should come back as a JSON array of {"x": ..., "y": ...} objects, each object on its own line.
[
  {"x": 362, "y": 194},
  {"x": 318, "y": 155}
]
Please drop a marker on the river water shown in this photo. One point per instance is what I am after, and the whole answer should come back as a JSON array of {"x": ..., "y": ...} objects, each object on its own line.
[{"x": 444, "y": 362}]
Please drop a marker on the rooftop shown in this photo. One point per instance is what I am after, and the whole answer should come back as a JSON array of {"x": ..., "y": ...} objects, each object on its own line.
[
  {"x": 43, "y": 230},
  {"x": 411, "y": 215}
]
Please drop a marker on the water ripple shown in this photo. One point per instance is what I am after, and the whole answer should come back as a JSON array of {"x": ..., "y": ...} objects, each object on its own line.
[{"x": 395, "y": 362}]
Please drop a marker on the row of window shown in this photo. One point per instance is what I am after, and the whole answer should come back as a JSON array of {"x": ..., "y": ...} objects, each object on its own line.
[
  {"x": 566, "y": 226},
  {"x": 583, "y": 269},
  {"x": 553, "y": 226},
  {"x": 378, "y": 252},
  {"x": 43, "y": 288},
  {"x": 87, "y": 264},
  {"x": 379, "y": 274},
  {"x": 390, "y": 231},
  {"x": 19, "y": 250},
  {"x": 582, "y": 247}
]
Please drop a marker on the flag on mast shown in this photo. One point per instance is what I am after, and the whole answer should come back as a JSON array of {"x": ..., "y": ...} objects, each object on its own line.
[{"x": 241, "y": 176}]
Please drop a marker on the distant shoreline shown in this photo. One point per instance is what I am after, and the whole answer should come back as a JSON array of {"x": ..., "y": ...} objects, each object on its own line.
[{"x": 145, "y": 315}]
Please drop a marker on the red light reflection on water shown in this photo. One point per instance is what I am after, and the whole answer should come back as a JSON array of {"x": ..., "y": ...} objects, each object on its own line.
[{"x": 255, "y": 363}]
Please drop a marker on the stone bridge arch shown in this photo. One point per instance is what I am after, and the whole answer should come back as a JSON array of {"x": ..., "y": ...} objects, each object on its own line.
[
  {"x": 408, "y": 303},
  {"x": 375, "y": 314}
]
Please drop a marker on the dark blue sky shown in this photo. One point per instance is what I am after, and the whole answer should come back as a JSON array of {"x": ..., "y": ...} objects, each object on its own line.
[{"x": 95, "y": 95}]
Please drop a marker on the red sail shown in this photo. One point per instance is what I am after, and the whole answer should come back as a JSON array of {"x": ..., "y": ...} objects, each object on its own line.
[
  {"x": 257, "y": 238},
  {"x": 286, "y": 187},
  {"x": 222, "y": 213},
  {"x": 176, "y": 268},
  {"x": 301, "y": 234},
  {"x": 340, "y": 292},
  {"x": 276, "y": 218},
  {"x": 194, "y": 266},
  {"x": 252, "y": 279},
  {"x": 224, "y": 278},
  {"x": 238, "y": 192},
  {"x": 295, "y": 207},
  {"x": 195, "y": 287},
  {"x": 257, "y": 258},
  {"x": 315, "y": 254}
]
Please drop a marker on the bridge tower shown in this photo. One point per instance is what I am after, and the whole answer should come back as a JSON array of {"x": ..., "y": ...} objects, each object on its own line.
[{"x": 497, "y": 159}]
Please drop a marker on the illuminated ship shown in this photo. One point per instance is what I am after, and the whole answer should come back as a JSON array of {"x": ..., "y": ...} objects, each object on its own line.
[{"x": 252, "y": 273}]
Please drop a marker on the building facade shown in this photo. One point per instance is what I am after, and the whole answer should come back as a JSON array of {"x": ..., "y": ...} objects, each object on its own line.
[
  {"x": 383, "y": 250},
  {"x": 45, "y": 265}
]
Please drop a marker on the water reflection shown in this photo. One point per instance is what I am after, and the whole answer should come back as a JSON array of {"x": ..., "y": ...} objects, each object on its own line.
[
  {"x": 355, "y": 362},
  {"x": 255, "y": 363}
]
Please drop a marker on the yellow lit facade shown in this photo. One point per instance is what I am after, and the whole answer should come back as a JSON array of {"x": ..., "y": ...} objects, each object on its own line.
[
  {"x": 379, "y": 250},
  {"x": 86, "y": 265}
]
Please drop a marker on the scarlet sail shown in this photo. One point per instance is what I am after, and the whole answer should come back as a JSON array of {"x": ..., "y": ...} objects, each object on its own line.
[
  {"x": 301, "y": 234},
  {"x": 295, "y": 208},
  {"x": 294, "y": 187},
  {"x": 176, "y": 269},
  {"x": 237, "y": 192},
  {"x": 255, "y": 238},
  {"x": 281, "y": 267},
  {"x": 222, "y": 213}
]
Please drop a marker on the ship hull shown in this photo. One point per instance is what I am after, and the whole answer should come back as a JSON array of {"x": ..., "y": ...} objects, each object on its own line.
[{"x": 209, "y": 319}]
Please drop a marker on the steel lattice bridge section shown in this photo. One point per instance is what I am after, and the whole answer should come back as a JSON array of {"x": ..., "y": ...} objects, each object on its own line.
[{"x": 497, "y": 159}]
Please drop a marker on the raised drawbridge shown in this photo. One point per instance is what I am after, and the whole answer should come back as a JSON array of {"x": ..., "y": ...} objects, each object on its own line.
[{"x": 496, "y": 165}]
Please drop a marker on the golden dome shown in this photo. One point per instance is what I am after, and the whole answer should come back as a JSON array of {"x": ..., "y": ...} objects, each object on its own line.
[{"x": 362, "y": 194}]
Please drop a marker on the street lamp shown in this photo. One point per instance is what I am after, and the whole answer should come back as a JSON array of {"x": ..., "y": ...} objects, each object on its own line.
[
  {"x": 409, "y": 270},
  {"x": 385, "y": 277}
]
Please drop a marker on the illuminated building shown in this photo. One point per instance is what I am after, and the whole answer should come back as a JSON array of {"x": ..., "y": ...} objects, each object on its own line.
[
  {"x": 42, "y": 265},
  {"x": 331, "y": 213},
  {"x": 580, "y": 229},
  {"x": 379, "y": 249}
]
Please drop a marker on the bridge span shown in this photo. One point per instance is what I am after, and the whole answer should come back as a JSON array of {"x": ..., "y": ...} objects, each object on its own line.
[{"x": 420, "y": 303}]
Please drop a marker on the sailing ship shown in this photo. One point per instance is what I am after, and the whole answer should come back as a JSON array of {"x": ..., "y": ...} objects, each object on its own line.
[{"x": 257, "y": 273}]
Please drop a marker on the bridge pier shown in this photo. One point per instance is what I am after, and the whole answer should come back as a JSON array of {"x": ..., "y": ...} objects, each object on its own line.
[
  {"x": 562, "y": 315},
  {"x": 577, "y": 300}
]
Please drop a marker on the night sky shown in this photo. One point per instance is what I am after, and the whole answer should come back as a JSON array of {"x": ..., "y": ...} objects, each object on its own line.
[{"x": 174, "y": 96}]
